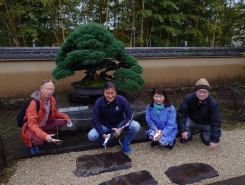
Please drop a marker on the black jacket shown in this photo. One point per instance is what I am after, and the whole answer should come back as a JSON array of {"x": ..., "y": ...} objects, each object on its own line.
[{"x": 205, "y": 113}]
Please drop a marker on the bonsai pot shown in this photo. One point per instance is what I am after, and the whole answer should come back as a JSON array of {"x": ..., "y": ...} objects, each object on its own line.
[{"x": 85, "y": 91}]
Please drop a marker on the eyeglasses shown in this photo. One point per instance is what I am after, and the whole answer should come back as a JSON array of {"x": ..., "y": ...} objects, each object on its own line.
[
  {"x": 202, "y": 92},
  {"x": 49, "y": 89}
]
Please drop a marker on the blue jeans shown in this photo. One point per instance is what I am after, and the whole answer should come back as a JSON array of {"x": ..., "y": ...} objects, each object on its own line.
[{"x": 132, "y": 129}]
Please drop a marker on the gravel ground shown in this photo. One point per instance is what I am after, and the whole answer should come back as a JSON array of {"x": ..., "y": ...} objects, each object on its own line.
[{"x": 228, "y": 159}]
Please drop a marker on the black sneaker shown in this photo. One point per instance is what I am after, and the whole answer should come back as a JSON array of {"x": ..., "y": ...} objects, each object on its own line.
[
  {"x": 154, "y": 144},
  {"x": 171, "y": 147},
  {"x": 203, "y": 140},
  {"x": 182, "y": 140}
]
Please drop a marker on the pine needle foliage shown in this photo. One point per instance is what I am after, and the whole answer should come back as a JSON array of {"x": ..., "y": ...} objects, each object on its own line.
[{"x": 95, "y": 50}]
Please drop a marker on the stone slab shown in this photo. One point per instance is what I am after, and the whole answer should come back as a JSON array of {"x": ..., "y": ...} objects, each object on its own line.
[
  {"x": 82, "y": 120},
  {"x": 75, "y": 142},
  {"x": 88, "y": 165},
  {"x": 190, "y": 173},
  {"x": 232, "y": 181},
  {"x": 133, "y": 178}
]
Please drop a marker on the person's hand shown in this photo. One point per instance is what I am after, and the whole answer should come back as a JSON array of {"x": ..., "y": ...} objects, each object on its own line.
[
  {"x": 158, "y": 137},
  {"x": 49, "y": 138},
  {"x": 156, "y": 130},
  {"x": 184, "y": 135},
  {"x": 69, "y": 123},
  {"x": 213, "y": 145},
  {"x": 105, "y": 136},
  {"x": 118, "y": 131}
]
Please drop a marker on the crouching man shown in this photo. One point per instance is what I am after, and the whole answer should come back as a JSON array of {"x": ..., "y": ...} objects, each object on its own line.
[
  {"x": 112, "y": 112},
  {"x": 199, "y": 113},
  {"x": 40, "y": 126}
]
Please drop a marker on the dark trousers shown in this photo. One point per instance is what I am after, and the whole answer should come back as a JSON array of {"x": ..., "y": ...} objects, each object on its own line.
[
  {"x": 194, "y": 128},
  {"x": 49, "y": 128}
]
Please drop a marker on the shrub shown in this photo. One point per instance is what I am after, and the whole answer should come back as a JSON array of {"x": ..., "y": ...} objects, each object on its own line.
[{"x": 95, "y": 50}]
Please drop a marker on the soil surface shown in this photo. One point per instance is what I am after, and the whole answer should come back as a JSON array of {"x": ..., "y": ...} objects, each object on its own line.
[{"x": 225, "y": 97}]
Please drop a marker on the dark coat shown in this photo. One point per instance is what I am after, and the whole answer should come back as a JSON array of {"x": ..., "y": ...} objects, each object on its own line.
[{"x": 206, "y": 113}]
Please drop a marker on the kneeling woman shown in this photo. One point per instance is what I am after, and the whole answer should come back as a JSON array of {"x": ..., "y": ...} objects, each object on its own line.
[{"x": 161, "y": 118}]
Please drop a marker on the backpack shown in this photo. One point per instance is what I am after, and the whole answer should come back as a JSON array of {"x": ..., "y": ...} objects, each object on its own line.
[{"x": 20, "y": 117}]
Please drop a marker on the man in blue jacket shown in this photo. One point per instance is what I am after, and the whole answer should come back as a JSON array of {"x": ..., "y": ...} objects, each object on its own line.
[
  {"x": 112, "y": 112},
  {"x": 199, "y": 112}
]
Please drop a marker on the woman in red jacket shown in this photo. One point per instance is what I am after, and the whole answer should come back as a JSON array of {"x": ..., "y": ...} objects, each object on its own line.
[{"x": 40, "y": 127}]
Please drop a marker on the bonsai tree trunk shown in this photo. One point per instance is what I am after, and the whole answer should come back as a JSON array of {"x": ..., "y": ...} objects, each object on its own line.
[{"x": 91, "y": 73}]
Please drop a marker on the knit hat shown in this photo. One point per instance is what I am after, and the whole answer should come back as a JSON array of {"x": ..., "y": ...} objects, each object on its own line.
[{"x": 202, "y": 84}]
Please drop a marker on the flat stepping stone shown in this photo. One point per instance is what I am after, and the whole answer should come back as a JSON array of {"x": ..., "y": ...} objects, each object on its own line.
[
  {"x": 94, "y": 164},
  {"x": 190, "y": 173},
  {"x": 134, "y": 178},
  {"x": 232, "y": 181},
  {"x": 82, "y": 120}
]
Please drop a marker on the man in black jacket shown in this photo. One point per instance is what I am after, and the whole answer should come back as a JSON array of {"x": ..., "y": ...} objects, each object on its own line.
[{"x": 199, "y": 112}]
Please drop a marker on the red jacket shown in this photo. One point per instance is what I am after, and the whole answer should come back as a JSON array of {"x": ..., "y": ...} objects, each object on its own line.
[{"x": 35, "y": 120}]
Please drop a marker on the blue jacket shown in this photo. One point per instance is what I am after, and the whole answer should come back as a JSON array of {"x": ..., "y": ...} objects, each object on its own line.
[
  {"x": 164, "y": 121},
  {"x": 204, "y": 114},
  {"x": 110, "y": 115}
]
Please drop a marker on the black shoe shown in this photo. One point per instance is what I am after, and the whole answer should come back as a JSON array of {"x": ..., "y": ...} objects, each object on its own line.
[
  {"x": 171, "y": 147},
  {"x": 203, "y": 140},
  {"x": 154, "y": 144},
  {"x": 182, "y": 140}
]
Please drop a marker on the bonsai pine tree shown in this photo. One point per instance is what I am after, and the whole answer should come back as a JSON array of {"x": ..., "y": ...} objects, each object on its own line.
[{"x": 95, "y": 50}]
